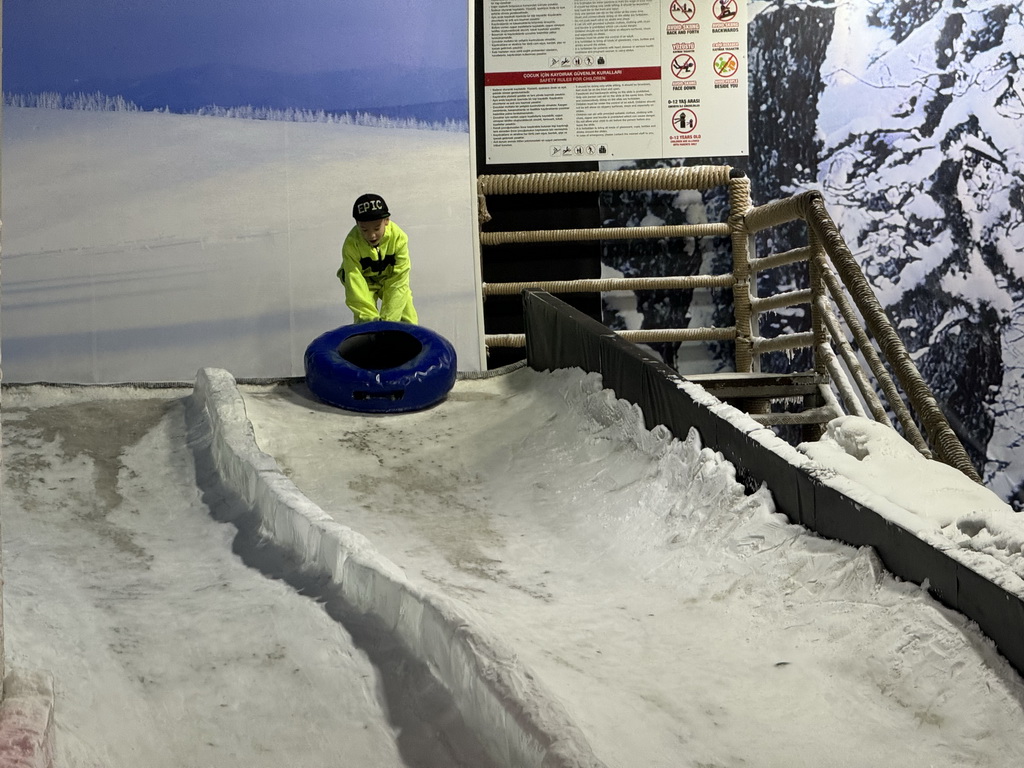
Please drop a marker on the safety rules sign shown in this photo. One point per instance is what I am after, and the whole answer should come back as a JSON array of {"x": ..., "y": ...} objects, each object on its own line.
[{"x": 614, "y": 79}]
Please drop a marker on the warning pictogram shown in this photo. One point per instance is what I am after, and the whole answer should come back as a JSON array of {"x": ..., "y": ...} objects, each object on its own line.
[
  {"x": 683, "y": 66},
  {"x": 725, "y": 9},
  {"x": 682, "y": 10},
  {"x": 684, "y": 121},
  {"x": 726, "y": 64}
]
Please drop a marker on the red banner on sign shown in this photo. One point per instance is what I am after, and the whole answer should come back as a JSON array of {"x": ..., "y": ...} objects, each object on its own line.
[{"x": 570, "y": 76}]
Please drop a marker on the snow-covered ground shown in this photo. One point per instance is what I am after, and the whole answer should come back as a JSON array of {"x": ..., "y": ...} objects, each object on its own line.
[
  {"x": 678, "y": 621},
  {"x": 165, "y": 649},
  {"x": 143, "y": 246}
]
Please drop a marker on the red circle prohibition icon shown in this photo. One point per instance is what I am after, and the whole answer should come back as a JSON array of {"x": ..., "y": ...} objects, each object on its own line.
[
  {"x": 682, "y": 10},
  {"x": 725, "y": 9},
  {"x": 683, "y": 65},
  {"x": 726, "y": 64},
  {"x": 684, "y": 120}
]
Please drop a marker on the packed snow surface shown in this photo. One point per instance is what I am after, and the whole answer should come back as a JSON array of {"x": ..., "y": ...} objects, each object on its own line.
[
  {"x": 680, "y": 621},
  {"x": 166, "y": 651}
]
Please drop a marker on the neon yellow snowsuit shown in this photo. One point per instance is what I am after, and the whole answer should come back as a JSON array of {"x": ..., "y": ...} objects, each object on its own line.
[{"x": 371, "y": 274}]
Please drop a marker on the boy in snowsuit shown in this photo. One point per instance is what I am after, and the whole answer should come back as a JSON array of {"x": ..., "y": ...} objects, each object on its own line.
[{"x": 375, "y": 265}]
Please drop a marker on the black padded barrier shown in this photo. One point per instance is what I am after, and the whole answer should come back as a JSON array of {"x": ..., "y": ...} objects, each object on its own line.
[{"x": 558, "y": 336}]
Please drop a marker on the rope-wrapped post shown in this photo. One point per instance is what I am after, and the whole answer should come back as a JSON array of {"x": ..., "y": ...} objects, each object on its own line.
[
  {"x": 948, "y": 445},
  {"x": 850, "y": 359},
  {"x": 739, "y": 205},
  {"x": 817, "y": 286}
]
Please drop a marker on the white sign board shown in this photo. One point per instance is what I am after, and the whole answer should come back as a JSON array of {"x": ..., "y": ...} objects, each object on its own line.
[{"x": 593, "y": 80}]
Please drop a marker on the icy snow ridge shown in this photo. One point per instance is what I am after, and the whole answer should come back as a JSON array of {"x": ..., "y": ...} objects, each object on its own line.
[{"x": 519, "y": 722}]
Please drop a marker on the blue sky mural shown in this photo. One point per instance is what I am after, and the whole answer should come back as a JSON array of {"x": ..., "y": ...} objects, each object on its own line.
[{"x": 393, "y": 57}]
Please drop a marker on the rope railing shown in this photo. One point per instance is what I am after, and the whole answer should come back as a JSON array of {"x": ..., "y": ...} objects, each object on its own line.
[
  {"x": 796, "y": 209},
  {"x": 773, "y": 214},
  {"x": 783, "y": 342},
  {"x": 669, "y": 179},
  {"x": 696, "y": 177},
  {"x": 948, "y": 445},
  {"x": 603, "y": 233},
  {"x": 852, "y": 365},
  {"x": 837, "y": 375},
  {"x": 781, "y": 259},
  {"x": 643, "y": 336},
  {"x": 834, "y": 278},
  {"x": 875, "y": 363},
  {"x": 810, "y": 208},
  {"x": 780, "y": 300},
  {"x": 598, "y": 285}
]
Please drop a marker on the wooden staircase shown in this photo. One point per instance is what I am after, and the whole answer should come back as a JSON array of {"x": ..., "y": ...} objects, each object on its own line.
[
  {"x": 859, "y": 359},
  {"x": 777, "y": 400}
]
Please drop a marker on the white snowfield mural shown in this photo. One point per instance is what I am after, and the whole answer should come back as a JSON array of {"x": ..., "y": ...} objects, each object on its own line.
[
  {"x": 177, "y": 181},
  {"x": 143, "y": 246}
]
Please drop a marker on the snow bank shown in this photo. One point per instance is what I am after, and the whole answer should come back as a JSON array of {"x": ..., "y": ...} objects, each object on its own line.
[
  {"x": 518, "y": 722},
  {"x": 931, "y": 499}
]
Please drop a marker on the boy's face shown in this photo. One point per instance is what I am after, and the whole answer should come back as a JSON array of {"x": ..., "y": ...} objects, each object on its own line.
[{"x": 373, "y": 231}]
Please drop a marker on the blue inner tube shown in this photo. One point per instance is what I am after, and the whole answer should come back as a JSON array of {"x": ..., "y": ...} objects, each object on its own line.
[{"x": 380, "y": 367}]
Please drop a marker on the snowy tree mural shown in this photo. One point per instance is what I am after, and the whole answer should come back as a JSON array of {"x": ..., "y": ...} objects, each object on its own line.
[
  {"x": 922, "y": 163},
  {"x": 906, "y": 115}
]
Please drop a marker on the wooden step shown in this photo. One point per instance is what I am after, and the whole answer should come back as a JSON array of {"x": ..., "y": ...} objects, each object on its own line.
[
  {"x": 727, "y": 386},
  {"x": 753, "y": 393},
  {"x": 820, "y": 415}
]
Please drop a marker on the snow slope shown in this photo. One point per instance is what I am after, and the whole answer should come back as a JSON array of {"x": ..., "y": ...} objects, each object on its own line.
[
  {"x": 166, "y": 651},
  {"x": 681, "y": 622}
]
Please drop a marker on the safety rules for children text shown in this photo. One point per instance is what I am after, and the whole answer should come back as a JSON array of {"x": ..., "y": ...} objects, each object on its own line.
[{"x": 614, "y": 79}]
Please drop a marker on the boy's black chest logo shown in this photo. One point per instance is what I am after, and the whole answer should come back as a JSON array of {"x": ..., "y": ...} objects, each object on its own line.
[{"x": 377, "y": 265}]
